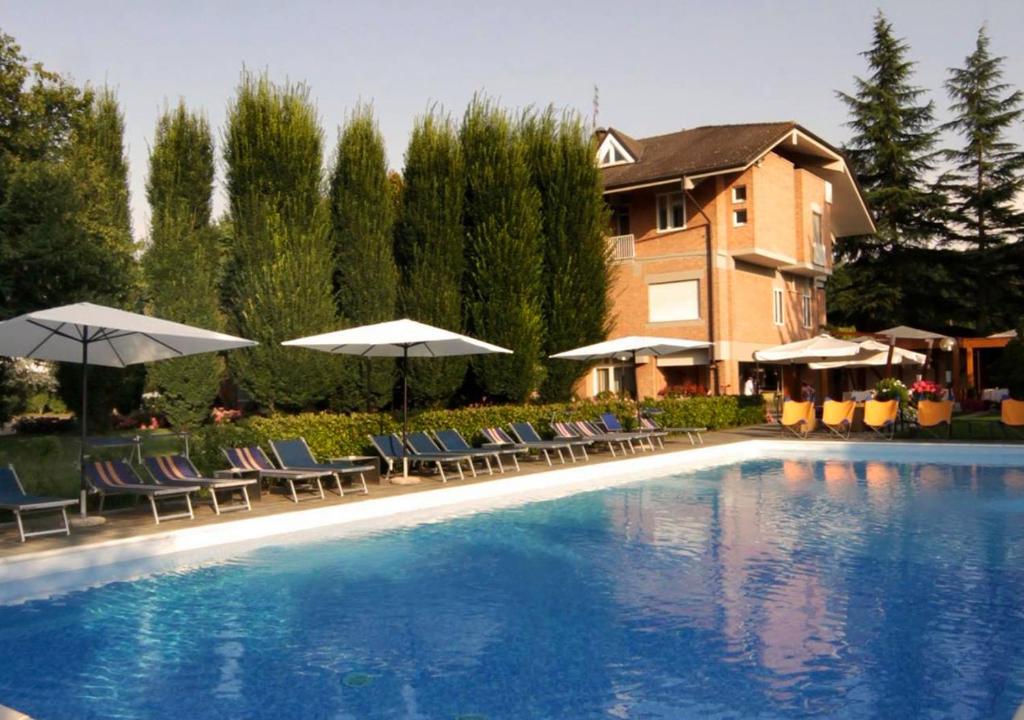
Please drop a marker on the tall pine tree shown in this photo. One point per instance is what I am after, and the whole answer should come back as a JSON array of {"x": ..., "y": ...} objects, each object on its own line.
[
  {"x": 577, "y": 263},
  {"x": 429, "y": 245},
  {"x": 362, "y": 226},
  {"x": 280, "y": 273},
  {"x": 987, "y": 174},
  {"x": 892, "y": 151},
  {"x": 503, "y": 285},
  {"x": 182, "y": 263}
]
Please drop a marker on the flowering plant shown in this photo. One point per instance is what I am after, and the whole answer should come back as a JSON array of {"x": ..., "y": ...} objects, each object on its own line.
[
  {"x": 225, "y": 415},
  {"x": 927, "y": 390},
  {"x": 892, "y": 389}
]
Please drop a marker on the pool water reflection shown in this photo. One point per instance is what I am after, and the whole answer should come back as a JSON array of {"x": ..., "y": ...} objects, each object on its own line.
[{"x": 769, "y": 588}]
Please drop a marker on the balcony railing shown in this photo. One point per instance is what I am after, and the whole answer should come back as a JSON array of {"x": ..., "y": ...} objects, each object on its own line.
[{"x": 623, "y": 247}]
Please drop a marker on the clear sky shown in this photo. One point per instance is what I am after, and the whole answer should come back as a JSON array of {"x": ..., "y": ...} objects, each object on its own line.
[{"x": 660, "y": 66}]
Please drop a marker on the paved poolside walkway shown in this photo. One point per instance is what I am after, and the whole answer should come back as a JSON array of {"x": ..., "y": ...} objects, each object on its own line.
[{"x": 136, "y": 521}]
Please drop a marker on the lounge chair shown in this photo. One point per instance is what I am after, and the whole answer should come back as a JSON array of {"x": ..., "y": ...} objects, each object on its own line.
[
  {"x": 528, "y": 436},
  {"x": 933, "y": 414},
  {"x": 837, "y": 417},
  {"x": 648, "y": 423},
  {"x": 451, "y": 440},
  {"x": 612, "y": 425},
  {"x": 1011, "y": 416},
  {"x": 653, "y": 431},
  {"x": 880, "y": 417},
  {"x": 14, "y": 498},
  {"x": 422, "y": 444},
  {"x": 252, "y": 460},
  {"x": 798, "y": 418},
  {"x": 177, "y": 470},
  {"x": 391, "y": 449},
  {"x": 588, "y": 429},
  {"x": 295, "y": 454},
  {"x": 571, "y": 431},
  {"x": 498, "y": 438},
  {"x": 116, "y": 477},
  {"x": 570, "y": 436}
]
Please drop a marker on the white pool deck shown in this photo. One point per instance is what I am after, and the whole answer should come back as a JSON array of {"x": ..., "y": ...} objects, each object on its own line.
[{"x": 31, "y": 574}]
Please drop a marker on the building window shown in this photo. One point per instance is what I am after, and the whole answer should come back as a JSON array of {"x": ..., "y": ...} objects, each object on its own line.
[
  {"x": 806, "y": 307},
  {"x": 671, "y": 211},
  {"x": 739, "y": 194},
  {"x": 620, "y": 219},
  {"x": 828, "y": 191},
  {"x": 672, "y": 301},
  {"x": 739, "y": 218},
  {"x": 778, "y": 313},
  {"x": 607, "y": 379},
  {"x": 817, "y": 239},
  {"x": 612, "y": 153}
]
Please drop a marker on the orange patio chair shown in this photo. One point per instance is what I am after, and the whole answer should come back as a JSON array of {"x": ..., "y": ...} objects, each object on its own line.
[
  {"x": 837, "y": 416},
  {"x": 880, "y": 417},
  {"x": 1011, "y": 416},
  {"x": 798, "y": 418},
  {"x": 933, "y": 414}
]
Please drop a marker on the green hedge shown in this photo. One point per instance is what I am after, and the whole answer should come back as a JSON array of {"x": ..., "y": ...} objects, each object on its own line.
[{"x": 332, "y": 435}]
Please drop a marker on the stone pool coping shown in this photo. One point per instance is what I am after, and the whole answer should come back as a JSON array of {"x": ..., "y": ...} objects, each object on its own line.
[{"x": 31, "y": 575}]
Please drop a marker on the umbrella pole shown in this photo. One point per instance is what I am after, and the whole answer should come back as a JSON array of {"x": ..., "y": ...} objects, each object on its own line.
[
  {"x": 405, "y": 408},
  {"x": 636, "y": 389},
  {"x": 82, "y": 486}
]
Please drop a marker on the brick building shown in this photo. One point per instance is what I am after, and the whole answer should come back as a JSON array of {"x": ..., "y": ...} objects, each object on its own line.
[{"x": 721, "y": 233}]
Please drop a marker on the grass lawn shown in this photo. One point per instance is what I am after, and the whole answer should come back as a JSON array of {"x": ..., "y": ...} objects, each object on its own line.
[
  {"x": 970, "y": 427},
  {"x": 48, "y": 464}
]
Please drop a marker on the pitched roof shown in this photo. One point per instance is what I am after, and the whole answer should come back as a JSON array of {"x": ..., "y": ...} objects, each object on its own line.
[{"x": 690, "y": 152}]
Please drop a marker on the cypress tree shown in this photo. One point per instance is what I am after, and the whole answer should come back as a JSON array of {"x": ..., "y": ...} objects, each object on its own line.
[
  {"x": 183, "y": 259},
  {"x": 577, "y": 263},
  {"x": 98, "y": 163},
  {"x": 429, "y": 245},
  {"x": 429, "y": 248},
  {"x": 362, "y": 226},
  {"x": 892, "y": 151},
  {"x": 987, "y": 172},
  {"x": 503, "y": 285},
  {"x": 280, "y": 268}
]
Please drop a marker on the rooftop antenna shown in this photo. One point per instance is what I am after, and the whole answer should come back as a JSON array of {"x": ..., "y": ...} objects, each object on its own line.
[{"x": 597, "y": 104}]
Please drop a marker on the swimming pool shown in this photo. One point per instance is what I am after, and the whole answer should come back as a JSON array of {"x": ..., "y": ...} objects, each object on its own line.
[{"x": 770, "y": 587}]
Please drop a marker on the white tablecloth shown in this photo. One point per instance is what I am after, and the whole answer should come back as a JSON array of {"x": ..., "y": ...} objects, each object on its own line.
[{"x": 995, "y": 394}]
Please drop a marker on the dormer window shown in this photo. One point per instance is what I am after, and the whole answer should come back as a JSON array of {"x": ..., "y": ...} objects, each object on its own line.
[{"x": 612, "y": 152}]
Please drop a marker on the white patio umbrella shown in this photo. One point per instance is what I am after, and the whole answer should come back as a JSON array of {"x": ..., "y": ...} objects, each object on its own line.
[
  {"x": 820, "y": 347},
  {"x": 91, "y": 334},
  {"x": 905, "y": 332},
  {"x": 632, "y": 346},
  {"x": 872, "y": 354},
  {"x": 398, "y": 339}
]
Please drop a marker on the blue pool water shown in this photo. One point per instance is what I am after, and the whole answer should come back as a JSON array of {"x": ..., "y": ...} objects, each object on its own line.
[{"x": 768, "y": 589}]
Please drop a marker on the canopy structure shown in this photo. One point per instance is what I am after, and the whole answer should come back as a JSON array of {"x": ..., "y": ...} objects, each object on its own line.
[
  {"x": 820, "y": 347},
  {"x": 872, "y": 354},
  {"x": 630, "y": 347},
  {"x": 91, "y": 334},
  {"x": 904, "y": 332},
  {"x": 397, "y": 339}
]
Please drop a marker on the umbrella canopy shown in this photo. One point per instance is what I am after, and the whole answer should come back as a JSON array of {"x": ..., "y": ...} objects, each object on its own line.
[
  {"x": 872, "y": 354},
  {"x": 903, "y": 332},
  {"x": 91, "y": 334},
  {"x": 816, "y": 348},
  {"x": 632, "y": 345},
  {"x": 398, "y": 339}
]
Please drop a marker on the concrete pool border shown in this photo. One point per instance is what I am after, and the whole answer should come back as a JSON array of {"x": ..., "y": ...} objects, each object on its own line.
[{"x": 40, "y": 574}]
